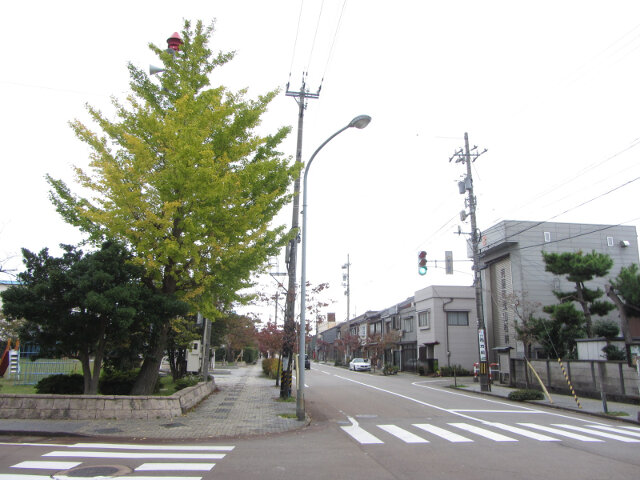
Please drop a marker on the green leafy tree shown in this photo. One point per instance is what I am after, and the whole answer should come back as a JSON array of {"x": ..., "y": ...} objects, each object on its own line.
[
  {"x": 624, "y": 292},
  {"x": 78, "y": 306},
  {"x": 557, "y": 335},
  {"x": 580, "y": 268},
  {"x": 181, "y": 177}
]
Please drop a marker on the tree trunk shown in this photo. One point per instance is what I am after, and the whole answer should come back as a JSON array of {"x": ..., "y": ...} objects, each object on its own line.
[
  {"x": 585, "y": 308},
  {"x": 624, "y": 321},
  {"x": 148, "y": 376},
  {"x": 86, "y": 370}
]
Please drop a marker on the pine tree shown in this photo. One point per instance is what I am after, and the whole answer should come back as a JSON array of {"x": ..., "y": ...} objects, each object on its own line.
[{"x": 580, "y": 268}]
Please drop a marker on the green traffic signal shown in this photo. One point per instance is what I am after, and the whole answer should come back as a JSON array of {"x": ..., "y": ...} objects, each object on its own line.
[{"x": 422, "y": 263}]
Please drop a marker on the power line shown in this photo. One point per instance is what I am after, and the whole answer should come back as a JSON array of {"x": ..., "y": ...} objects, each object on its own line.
[{"x": 333, "y": 42}]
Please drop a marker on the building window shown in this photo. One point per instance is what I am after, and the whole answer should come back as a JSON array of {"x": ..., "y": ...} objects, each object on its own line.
[
  {"x": 547, "y": 236},
  {"x": 458, "y": 318},
  {"x": 609, "y": 241},
  {"x": 424, "y": 319},
  {"x": 408, "y": 324}
]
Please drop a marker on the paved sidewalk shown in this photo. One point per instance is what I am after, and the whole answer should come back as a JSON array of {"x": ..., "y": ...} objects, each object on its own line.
[
  {"x": 245, "y": 403},
  {"x": 591, "y": 406}
]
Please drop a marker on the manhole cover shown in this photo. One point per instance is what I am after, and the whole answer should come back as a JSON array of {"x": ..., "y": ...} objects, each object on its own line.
[{"x": 95, "y": 471}]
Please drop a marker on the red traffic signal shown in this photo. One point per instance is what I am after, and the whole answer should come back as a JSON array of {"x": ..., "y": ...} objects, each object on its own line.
[{"x": 422, "y": 263}]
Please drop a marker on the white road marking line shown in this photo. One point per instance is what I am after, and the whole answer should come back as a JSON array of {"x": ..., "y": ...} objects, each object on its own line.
[
  {"x": 191, "y": 467},
  {"x": 523, "y": 432},
  {"x": 599, "y": 434},
  {"x": 497, "y": 437},
  {"x": 616, "y": 430},
  {"x": 493, "y": 411},
  {"x": 403, "y": 434},
  {"x": 163, "y": 456},
  {"x": 125, "y": 446},
  {"x": 442, "y": 433},
  {"x": 47, "y": 465},
  {"x": 562, "y": 433},
  {"x": 360, "y": 434},
  {"x": 14, "y": 476},
  {"x": 637, "y": 429}
]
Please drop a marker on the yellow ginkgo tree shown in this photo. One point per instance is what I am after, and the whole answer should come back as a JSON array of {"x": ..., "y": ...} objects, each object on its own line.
[{"x": 181, "y": 177}]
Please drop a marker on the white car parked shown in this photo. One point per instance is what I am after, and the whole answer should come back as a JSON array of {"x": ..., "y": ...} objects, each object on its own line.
[{"x": 358, "y": 364}]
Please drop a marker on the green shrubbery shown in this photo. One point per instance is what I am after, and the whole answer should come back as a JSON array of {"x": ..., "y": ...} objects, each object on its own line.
[
  {"x": 526, "y": 394},
  {"x": 117, "y": 382},
  {"x": 270, "y": 367},
  {"x": 454, "y": 370},
  {"x": 389, "y": 369},
  {"x": 72, "y": 384},
  {"x": 184, "y": 382}
]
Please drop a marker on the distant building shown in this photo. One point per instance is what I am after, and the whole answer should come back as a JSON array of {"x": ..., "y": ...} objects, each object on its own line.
[{"x": 513, "y": 267}]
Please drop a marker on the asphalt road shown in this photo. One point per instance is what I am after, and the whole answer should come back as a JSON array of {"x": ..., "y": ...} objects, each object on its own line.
[{"x": 367, "y": 427}]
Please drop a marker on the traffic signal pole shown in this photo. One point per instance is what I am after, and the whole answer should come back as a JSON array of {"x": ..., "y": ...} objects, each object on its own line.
[{"x": 466, "y": 157}]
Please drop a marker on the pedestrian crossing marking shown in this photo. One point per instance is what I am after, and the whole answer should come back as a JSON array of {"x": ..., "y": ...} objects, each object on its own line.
[
  {"x": 615, "y": 430},
  {"x": 192, "y": 467},
  {"x": 442, "y": 433},
  {"x": 403, "y": 434},
  {"x": 621, "y": 434},
  {"x": 46, "y": 465},
  {"x": 524, "y": 433},
  {"x": 176, "y": 459},
  {"x": 135, "y": 455},
  {"x": 562, "y": 433},
  {"x": 497, "y": 437},
  {"x": 125, "y": 446},
  {"x": 14, "y": 476},
  {"x": 599, "y": 434}
]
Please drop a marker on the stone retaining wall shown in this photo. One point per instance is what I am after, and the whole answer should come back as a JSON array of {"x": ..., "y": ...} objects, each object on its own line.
[{"x": 117, "y": 407}]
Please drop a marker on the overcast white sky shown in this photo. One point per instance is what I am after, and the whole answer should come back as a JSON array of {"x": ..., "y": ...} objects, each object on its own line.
[{"x": 550, "y": 88}]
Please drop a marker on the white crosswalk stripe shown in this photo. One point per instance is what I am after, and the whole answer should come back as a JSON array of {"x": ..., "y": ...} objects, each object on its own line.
[
  {"x": 403, "y": 434},
  {"x": 616, "y": 430},
  {"x": 562, "y": 433},
  {"x": 587, "y": 433},
  {"x": 166, "y": 459},
  {"x": 524, "y": 433},
  {"x": 599, "y": 434},
  {"x": 496, "y": 437},
  {"x": 442, "y": 433}
]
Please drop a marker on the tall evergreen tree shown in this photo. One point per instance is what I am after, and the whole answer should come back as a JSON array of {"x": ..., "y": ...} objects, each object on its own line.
[
  {"x": 181, "y": 177},
  {"x": 580, "y": 268}
]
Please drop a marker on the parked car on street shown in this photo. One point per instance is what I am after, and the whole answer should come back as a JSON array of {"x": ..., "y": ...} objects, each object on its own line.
[{"x": 359, "y": 364}]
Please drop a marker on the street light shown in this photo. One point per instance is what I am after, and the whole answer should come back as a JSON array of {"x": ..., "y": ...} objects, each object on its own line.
[{"x": 359, "y": 122}]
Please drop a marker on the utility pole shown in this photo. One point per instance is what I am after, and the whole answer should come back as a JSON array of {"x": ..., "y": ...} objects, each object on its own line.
[
  {"x": 289, "y": 312},
  {"x": 466, "y": 157},
  {"x": 346, "y": 282}
]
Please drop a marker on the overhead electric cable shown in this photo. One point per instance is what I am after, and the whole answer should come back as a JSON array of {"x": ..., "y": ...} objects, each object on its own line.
[
  {"x": 295, "y": 42},
  {"x": 315, "y": 36},
  {"x": 333, "y": 42}
]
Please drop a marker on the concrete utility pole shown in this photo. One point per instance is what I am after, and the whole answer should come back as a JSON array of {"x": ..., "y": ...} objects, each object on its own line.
[
  {"x": 467, "y": 186},
  {"x": 346, "y": 282},
  {"x": 289, "y": 312}
]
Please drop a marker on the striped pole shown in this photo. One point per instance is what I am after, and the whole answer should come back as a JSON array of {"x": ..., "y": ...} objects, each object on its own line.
[{"x": 575, "y": 397}]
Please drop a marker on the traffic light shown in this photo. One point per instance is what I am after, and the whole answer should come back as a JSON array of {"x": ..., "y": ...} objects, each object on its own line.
[{"x": 422, "y": 263}]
